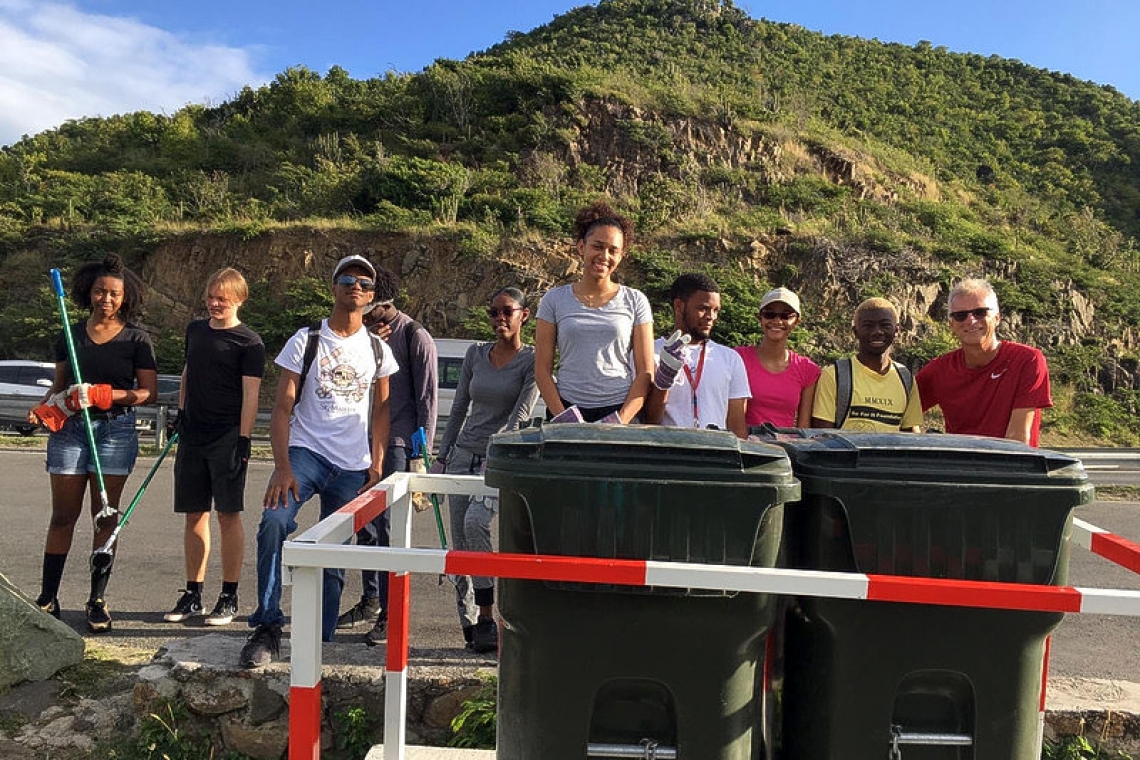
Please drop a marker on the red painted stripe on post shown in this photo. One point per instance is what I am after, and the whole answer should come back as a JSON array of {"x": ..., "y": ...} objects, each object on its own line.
[
  {"x": 305, "y": 722},
  {"x": 399, "y": 605},
  {"x": 365, "y": 507},
  {"x": 958, "y": 593},
  {"x": 1119, "y": 550},
  {"x": 547, "y": 567}
]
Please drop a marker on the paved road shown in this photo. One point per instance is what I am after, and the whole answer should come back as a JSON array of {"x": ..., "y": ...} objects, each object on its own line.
[
  {"x": 149, "y": 574},
  {"x": 149, "y": 571}
]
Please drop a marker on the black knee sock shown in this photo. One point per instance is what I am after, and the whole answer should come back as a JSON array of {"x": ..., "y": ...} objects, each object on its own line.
[
  {"x": 229, "y": 587},
  {"x": 99, "y": 580},
  {"x": 51, "y": 576},
  {"x": 194, "y": 587}
]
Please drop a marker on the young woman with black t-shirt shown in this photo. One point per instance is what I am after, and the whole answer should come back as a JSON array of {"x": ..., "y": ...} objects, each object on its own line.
[{"x": 117, "y": 363}]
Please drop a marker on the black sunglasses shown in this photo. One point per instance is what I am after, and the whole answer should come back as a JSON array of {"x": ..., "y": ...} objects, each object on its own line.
[
  {"x": 785, "y": 315},
  {"x": 980, "y": 313},
  {"x": 348, "y": 280},
  {"x": 506, "y": 311}
]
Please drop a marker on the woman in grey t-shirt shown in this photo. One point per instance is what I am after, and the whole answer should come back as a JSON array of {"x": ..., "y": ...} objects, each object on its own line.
[
  {"x": 496, "y": 392},
  {"x": 603, "y": 331}
]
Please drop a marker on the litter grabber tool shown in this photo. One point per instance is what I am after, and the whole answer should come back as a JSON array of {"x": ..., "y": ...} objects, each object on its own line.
[
  {"x": 102, "y": 557},
  {"x": 104, "y": 502},
  {"x": 420, "y": 451}
]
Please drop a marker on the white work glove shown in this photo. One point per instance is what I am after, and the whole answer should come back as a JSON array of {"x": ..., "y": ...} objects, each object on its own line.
[{"x": 674, "y": 355}]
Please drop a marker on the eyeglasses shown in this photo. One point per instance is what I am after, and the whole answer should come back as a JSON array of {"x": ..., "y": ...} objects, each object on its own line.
[
  {"x": 506, "y": 311},
  {"x": 784, "y": 315},
  {"x": 347, "y": 280},
  {"x": 980, "y": 313}
]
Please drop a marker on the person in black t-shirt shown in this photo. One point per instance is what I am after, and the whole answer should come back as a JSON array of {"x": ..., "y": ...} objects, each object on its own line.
[
  {"x": 225, "y": 361},
  {"x": 117, "y": 363}
]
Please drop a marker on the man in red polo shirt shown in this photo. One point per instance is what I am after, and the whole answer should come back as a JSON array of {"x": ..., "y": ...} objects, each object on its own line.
[{"x": 989, "y": 387}]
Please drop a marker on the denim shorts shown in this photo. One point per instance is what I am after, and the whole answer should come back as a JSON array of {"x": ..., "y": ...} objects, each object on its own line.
[{"x": 69, "y": 454}]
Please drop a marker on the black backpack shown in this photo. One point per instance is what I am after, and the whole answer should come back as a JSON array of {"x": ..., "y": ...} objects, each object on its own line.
[{"x": 844, "y": 387}]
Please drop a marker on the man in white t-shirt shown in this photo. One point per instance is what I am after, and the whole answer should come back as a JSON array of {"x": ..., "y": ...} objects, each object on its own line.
[
  {"x": 328, "y": 431},
  {"x": 703, "y": 384}
]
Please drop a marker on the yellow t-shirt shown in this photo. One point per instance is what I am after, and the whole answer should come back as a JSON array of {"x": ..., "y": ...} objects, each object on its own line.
[{"x": 877, "y": 401}]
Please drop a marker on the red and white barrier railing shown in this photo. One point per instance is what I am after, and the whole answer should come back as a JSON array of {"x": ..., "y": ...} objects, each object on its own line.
[
  {"x": 1099, "y": 541},
  {"x": 321, "y": 546}
]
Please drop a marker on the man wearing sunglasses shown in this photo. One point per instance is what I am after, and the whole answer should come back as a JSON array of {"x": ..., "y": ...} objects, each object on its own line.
[
  {"x": 412, "y": 399},
  {"x": 989, "y": 387},
  {"x": 332, "y": 393}
]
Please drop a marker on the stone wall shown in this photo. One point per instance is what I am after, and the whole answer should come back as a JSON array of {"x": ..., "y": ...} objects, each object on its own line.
[{"x": 247, "y": 711}]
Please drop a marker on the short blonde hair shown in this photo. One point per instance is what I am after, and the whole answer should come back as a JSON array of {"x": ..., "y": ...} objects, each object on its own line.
[
  {"x": 231, "y": 282},
  {"x": 874, "y": 303}
]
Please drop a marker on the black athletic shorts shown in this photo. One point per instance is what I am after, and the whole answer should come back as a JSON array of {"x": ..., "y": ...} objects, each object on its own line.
[{"x": 202, "y": 476}]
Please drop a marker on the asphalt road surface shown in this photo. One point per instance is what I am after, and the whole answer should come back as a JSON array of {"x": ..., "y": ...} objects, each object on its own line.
[{"x": 149, "y": 574}]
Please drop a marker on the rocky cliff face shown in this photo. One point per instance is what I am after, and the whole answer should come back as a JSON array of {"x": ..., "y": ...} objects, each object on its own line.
[{"x": 440, "y": 283}]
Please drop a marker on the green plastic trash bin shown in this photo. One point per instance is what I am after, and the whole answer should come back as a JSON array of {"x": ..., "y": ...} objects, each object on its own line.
[
  {"x": 949, "y": 682},
  {"x": 586, "y": 670}
]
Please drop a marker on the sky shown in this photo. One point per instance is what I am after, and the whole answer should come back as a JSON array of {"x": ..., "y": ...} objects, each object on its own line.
[{"x": 67, "y": 59}]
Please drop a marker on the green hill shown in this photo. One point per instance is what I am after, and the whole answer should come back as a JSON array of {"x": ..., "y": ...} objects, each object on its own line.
[{"x": 761, "y": 151}]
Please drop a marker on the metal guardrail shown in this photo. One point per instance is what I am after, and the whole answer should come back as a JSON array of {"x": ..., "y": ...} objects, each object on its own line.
[{"x": 151, "y": 419}]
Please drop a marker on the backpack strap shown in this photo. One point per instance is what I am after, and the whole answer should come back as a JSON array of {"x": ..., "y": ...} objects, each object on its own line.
[
  {"x": 907, "y": 380},
  {"x": 843, "y": 390},
  {"x": 311, "y": 342}
]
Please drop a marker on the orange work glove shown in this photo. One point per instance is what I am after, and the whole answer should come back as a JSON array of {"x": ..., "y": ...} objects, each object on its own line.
[
  {"x": 53, "y": 412},
  {"x": 83, "y": 395}
]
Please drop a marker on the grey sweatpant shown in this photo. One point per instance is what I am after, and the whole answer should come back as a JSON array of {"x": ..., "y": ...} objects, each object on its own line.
[{"x": 471, "y": 518}]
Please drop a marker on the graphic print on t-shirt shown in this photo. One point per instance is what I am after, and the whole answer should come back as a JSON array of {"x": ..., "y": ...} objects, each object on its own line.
[{"x": 338, "y": 377}]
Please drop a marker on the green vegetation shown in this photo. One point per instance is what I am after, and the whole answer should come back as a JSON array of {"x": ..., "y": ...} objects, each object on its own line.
[
  {"x": 474, "y": 726},
  {"x": 716, "y": 132},
  {"x": 1079, "y": 748},
  {"x": 353, "y": 733}
]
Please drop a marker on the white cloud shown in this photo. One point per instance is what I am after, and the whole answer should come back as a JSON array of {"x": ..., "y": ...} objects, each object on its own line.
[{"x": 59, "y": 63}]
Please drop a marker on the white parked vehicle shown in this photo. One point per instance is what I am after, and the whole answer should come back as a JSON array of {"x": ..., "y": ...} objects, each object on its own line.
[
  {"x": 449, "y": 354},
  {"x": 22, "y": 383},
  {"x": 25, "y": 378}
]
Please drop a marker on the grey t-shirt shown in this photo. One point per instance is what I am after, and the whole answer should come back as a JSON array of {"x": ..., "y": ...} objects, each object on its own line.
[
  {"x": 489, "y": 399},
  {"x": 595, "y": 367}
]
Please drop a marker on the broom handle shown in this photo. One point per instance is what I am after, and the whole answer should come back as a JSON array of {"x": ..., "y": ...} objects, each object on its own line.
[{"x": 57, "y": 284}]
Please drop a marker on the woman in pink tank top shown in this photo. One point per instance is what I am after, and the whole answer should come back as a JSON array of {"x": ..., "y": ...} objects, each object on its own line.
[{"x": 782, "y": 381}]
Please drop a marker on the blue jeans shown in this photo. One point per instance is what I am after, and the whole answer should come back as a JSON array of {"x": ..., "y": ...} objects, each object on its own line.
[
  {"x": 116, "y": 441},
  {"x": 378, "y": 532},
  {"x": 337, "y": 487}
]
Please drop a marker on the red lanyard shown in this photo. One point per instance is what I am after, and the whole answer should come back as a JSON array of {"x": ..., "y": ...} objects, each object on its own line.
[{"x": 695, "y": 383}]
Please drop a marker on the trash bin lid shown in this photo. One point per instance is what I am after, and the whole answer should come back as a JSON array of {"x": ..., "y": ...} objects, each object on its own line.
[
  {"x": 964, "y": 459},
  {"x": 649, "y": 452}
]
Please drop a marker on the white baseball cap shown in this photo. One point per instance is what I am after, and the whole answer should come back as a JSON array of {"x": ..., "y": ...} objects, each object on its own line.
[
  {"x": 354, "y": 261},
  {"x": 781, "y": 295}
]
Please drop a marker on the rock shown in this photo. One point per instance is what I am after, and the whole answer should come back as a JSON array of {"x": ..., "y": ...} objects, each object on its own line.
[
  {"x": 30, "y": 699},
  {"x": 216, "y": 696},
  {"x": 443, "y": 709},
  {"x": 33, "y": 645},
  {"x": 265, "y": 704},
  {"x": 265, "y": 742}
]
